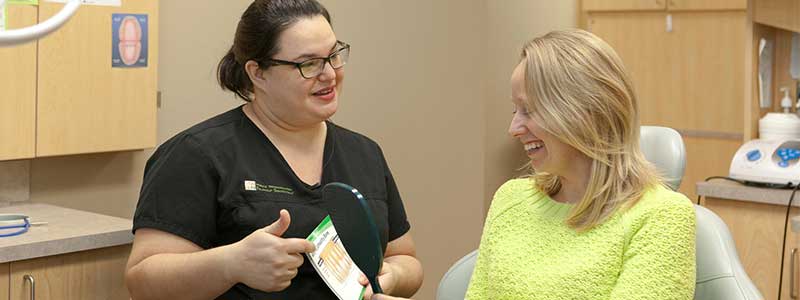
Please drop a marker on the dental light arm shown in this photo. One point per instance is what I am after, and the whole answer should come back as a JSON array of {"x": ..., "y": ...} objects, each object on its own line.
[{"x": 27, "y": 34}]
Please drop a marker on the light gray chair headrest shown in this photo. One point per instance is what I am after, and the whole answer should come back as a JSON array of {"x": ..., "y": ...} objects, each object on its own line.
[{"x": 663, "y": 147}]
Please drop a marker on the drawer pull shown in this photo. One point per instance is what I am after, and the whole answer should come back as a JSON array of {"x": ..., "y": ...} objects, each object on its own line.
[
  {"x": 33, "y": 285},
  {"x": 792, "y": 268}
]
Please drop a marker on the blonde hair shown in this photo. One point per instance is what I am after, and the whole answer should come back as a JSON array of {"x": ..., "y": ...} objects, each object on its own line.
[{"x": 579, "y": 91}]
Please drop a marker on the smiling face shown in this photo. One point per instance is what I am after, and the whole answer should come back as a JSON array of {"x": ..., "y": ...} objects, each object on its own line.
[
  {"x": 282, "y": 91},
  {"x": 547, "y": 153}
]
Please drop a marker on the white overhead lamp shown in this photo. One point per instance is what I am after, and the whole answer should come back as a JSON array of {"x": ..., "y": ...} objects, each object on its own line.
[{"x": 35, "y": 32}]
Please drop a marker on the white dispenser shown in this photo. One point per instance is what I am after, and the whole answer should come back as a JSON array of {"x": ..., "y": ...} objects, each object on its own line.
[{"x": 779, "y": 126}]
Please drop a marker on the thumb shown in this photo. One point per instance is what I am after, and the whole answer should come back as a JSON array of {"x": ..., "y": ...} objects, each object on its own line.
[{"x": 279, "y": 227}]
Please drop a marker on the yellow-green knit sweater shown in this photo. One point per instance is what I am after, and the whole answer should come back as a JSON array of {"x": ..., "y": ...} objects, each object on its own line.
[{"x": 527, "y": 252}]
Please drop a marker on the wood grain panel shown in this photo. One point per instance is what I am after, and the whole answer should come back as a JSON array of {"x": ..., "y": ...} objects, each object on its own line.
[
  {"x": 782, "y": 60},
  {"x": 623, "y": 5},
  {"x": 705, "y": 83},
  {"x": 684, "y": 5},
  {"x": 757, "y": 230},
  {"x": 5, "y": 279},
  {"x": 85, "y": 105},
  {"x": 18, "y": 90},
  {"x": 87, "y": 275},
  {"x": 704, "y": 158},
  {"x": 680, "y": 81},
  {"x": 778, "y": 13}
]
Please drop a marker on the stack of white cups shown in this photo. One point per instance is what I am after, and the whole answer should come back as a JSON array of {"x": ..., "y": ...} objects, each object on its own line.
[{"x": 779, "y": 126}]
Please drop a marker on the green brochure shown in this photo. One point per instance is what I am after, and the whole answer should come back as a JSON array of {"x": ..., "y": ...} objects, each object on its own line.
[{"x": 333, "y": 264}]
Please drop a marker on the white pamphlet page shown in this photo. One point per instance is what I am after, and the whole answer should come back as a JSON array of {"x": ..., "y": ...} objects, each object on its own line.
[{"x": 333, "y": 264}]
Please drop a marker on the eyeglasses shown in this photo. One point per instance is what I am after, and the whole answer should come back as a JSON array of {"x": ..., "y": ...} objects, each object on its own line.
[{"x": 312, "y": 67}]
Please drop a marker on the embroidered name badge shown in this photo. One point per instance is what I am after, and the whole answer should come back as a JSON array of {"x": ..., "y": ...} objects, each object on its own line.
[{"x": 252, "y": 185}]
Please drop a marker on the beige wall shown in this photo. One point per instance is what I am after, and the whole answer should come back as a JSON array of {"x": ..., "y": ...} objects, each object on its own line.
[
  {"x": 428, "y": 80},
  {"x": 512, "y": 22},
  {"x": 416, "y": 84}
]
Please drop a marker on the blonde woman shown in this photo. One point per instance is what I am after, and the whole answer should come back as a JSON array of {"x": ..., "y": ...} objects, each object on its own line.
[{"x": 594, "y": 220}]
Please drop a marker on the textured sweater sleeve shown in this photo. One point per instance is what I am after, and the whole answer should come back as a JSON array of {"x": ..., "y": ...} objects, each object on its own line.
[
  {"x": 659, "y": 261},
  {"x": 479, "y": 283}
]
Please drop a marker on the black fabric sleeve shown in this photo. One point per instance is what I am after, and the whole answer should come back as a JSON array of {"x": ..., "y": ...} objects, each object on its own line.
[
  {"x": 179, "y": 191},
  {"x": 398, "y": 221}
]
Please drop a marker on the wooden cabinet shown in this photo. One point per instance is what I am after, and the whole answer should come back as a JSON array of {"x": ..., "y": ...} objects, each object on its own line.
[
  {"x": 18, "y": 90},
  {"x": 622, "y": 5},
  {"x": 62, "y": 96},
  {"x": 84, "y": 104},
  {"x": 784, "y": 14},
  {"x": 705, "y": 83},
  {"x": 4, "y": 281},
  {"x": 660, "y": 5},
  {"x": 94, "y": 274},
  {"x": 682, "y": 82},
  {"x": 758, "y": 232},
  {"x": 678, "y": 5}
]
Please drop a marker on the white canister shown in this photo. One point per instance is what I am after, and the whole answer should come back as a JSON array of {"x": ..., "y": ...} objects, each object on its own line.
[{"x": 776, "y": 126}]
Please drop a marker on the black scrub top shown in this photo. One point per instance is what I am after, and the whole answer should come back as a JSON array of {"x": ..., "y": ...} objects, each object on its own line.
[{"x": 222, "y": 179}]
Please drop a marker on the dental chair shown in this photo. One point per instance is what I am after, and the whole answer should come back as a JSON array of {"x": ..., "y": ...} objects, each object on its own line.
[{"x": 720, "y": 275}]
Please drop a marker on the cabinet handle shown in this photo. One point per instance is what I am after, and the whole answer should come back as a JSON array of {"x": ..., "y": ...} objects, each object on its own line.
[
  {"x": 668, "y": 23},
  {"x": 33, "y": 285},
  {"x": 792, "y": 293}
]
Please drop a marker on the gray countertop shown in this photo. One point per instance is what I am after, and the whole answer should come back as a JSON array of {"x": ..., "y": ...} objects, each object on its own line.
[
  {"x": 719, "y": 188},
  {"x": 67, "y": 230}
]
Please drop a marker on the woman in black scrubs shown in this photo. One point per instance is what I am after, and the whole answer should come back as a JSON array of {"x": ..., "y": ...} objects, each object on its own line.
[{"x": 226, "y": 205}]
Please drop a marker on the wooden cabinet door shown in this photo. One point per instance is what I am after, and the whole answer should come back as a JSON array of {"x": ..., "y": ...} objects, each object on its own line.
[
  {"x": 623, "y": 5},
  {"x": 783, "y": 14},
  {"x": 680, "y": 80},
  {"x": 18, "y": 90},
  {"x": 704, "y": 83},
  {"x": 757, "y": 230},
  {"x": 85, "y": 105},
  {"x": 680, "y": 5},
  {"x": 88, "y": 275},
  {"x": 641, "y": 41}
]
